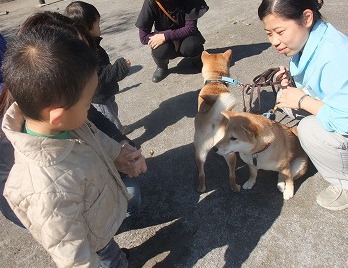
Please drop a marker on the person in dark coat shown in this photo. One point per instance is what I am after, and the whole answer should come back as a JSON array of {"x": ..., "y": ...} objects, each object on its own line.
[
  {"x": 109, "y": 74},
  {"x": 169, "y": 27}
]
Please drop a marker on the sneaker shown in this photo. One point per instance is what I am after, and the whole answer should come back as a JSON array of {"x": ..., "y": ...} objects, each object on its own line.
[
  {"x": 125, "y": 130},
  {"x": 333, "y": 198}
]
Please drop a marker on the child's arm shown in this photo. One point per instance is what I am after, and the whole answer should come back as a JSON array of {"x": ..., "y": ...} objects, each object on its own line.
[
  {"x": 106, "y": 126},
  {"x": 116, "y": 71},
  {"x": 109, "y": 75}
]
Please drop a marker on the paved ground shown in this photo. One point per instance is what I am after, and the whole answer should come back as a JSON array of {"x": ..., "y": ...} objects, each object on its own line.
[{"x": 178, "y": 227}]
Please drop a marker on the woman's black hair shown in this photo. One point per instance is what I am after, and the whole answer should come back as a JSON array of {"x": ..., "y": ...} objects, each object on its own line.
[{"x": 290, "y": 9}]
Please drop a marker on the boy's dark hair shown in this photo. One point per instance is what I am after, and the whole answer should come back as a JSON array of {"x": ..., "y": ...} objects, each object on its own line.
[
  {"x": 290, "y": 9},
  {"x": 82, "y": 13},
  {"x": 47, "y": 67}
]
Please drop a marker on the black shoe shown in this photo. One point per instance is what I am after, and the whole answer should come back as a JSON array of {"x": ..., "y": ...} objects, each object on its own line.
[{"x": 159, "y": 74}]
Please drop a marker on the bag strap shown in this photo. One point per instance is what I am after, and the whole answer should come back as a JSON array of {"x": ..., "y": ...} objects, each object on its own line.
[{"x": 165, "y": 12}]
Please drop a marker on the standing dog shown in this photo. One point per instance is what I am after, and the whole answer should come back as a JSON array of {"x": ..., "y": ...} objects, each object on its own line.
[
  {"x": 263, "y": 144},
  {"x": 213, "y": 98}
]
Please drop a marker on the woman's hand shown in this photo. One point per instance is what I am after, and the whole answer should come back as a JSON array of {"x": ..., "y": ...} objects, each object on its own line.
[
  {"x": 282, "y": 76},
  {"x": 156, "y": 40},
  {"x": 289, "y": 97}
]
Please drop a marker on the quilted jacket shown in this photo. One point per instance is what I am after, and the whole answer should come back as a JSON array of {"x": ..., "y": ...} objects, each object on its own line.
[{"x": 67, "y": 193}]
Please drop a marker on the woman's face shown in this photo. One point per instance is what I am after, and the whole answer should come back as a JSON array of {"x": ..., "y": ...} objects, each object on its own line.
[{"x": 288, "y": 36}]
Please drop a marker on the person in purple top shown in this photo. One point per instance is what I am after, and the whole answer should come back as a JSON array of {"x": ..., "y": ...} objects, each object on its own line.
[{"x": 169, "y": 27}]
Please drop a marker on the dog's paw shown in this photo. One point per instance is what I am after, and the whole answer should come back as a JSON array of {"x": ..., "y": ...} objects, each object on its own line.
[
  {"x": 248, "y": 185},
  {"x": 201, "y": 188},
  {"x": 281, "y": 186},
  {"x": 288, "y": 194},
  {"x": 236, "y": 188}
]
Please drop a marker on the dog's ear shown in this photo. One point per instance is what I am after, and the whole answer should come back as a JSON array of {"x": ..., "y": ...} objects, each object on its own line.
[
  {"x": 204, "y": 54},
  {"x": 249, "y": 131},
  {"x": 228, "y": 54}
]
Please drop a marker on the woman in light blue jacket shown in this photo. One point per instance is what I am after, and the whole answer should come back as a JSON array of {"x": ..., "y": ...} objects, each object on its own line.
[{"x": 318, "y": 64}]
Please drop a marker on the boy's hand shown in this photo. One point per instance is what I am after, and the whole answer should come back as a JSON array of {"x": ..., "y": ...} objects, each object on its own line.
[
  {"x": 128, "y": 63},
  {"x": 130, "y": 161}
]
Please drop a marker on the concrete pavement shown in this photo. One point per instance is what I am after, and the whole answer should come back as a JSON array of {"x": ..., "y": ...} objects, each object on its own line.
[{"x": 179, "y": 227}]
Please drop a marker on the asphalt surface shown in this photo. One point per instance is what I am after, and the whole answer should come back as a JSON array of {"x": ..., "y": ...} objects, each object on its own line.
[{"x": 178, "y": 227}]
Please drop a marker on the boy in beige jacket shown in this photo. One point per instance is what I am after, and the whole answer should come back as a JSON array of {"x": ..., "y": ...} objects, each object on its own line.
[{"x": 64, "y": 186}]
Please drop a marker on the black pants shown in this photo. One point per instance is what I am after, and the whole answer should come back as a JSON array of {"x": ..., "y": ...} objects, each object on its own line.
[{"x": 191, "y": 46}]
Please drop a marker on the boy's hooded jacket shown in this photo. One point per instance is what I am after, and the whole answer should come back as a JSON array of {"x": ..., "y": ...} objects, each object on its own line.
[{"x": 67, "y": 193}]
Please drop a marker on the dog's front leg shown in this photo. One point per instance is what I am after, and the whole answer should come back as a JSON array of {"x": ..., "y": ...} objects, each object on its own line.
[
  {"x": 286, "y": 183},
  {"x": 252, "y": 177},
  {"x": 231, "y": 160},
  {"x": 200, "y": 160}
]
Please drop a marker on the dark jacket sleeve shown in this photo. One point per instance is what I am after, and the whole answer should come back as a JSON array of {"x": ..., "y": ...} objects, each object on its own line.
[
  {"x": 190, "y": 28},
  {"x": 106, "y": 126},
  {"x": 108, "y": 74}
]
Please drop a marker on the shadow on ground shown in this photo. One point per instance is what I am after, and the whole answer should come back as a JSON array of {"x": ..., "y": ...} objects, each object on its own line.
[
  {"x": 168, "y": 113},
  {"x": 170, "y": 196},
  {"x": 193, "y": 222}
]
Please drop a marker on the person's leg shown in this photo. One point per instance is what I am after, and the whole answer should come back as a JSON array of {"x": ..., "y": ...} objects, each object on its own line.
[
  {"x": 161, "y": 56},
  {"x": 112, "y": 256},
  {"x": 112, "y": 110},
  {"x": 134, "y": 203},
  {"x": 109, "y": 110},
  {"x": 329, "y": 153},
  {"x": 192, "y": 47}
]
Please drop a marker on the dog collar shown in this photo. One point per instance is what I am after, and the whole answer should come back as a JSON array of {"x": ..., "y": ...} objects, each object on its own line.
[
  {"x": 225, "y": 80},
  {"x": 255, "y": 155}
]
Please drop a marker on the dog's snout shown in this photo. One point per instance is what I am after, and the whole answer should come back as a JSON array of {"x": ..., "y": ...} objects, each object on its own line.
[{"x": 215, "y": 149}]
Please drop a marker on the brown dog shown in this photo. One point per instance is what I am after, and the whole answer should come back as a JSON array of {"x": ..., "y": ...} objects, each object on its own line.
[
  {"x": 263, "y": 144},
  {"x": 213, "y": 98}
]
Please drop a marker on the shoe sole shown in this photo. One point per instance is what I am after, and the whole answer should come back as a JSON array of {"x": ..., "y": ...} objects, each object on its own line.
[{"x": 334, "y": 208}]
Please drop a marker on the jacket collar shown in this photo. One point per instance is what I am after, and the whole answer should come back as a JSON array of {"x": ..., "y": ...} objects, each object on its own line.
[
  {"x": 299, "y": 61},
  {"x": 39, "y": 150}
]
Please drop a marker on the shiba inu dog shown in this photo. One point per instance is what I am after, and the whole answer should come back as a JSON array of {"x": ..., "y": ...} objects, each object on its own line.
[
  {"x": 262, "y": 144},
  {"x": 213, "y": 98}
]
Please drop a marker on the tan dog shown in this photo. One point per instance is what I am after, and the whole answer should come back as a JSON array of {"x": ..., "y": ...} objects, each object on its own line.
[
  {"x": 213, "y": 98},
  {"x": 263, "y": 144}
]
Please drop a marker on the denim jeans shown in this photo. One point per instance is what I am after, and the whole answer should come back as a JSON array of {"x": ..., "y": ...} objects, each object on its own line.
[
  {"x": 135, "y": 202},
  {"x": 110, "y": 110},
  {"x": 111, "y": 256}
]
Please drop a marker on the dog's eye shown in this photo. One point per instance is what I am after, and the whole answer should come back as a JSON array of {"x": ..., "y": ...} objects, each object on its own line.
[{"x": 233, "y": 138}]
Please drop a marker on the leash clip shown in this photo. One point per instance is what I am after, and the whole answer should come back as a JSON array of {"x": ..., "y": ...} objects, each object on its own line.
[{"x": 231, "y": 81}]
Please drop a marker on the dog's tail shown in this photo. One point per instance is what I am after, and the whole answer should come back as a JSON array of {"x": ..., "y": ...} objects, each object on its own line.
[{"x": 226, "y": 102}]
